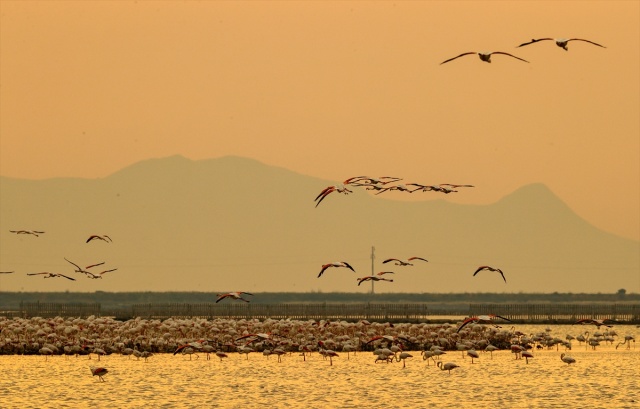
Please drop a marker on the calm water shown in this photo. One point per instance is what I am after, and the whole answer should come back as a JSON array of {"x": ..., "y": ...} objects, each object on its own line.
[{"x": 604, "y": 378}]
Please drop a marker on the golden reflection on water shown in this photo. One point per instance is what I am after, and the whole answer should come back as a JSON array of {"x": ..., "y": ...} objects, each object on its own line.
[{"x": 603, "y": 378}]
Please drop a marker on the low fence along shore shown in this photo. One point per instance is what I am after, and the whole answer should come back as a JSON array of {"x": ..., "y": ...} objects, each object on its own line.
[{"x": 385, "y": 312}]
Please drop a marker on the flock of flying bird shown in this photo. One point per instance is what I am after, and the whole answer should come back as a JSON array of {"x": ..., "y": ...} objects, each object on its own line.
[
  {"x": 560, "y": 42},
  {"x": 78, "y": 269}
]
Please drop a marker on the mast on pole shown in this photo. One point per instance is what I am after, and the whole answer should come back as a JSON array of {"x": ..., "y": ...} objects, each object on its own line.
[{"x": 373, "y": 257}]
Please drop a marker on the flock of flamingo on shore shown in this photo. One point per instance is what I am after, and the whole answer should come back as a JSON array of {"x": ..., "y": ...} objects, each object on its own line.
[{"x": 220, "y": 338}]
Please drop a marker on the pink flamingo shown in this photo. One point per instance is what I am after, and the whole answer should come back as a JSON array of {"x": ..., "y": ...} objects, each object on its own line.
[
  {"x": 97, "y": 237},
  {"x": 399, "y": 262},
  {"x": 489, "y": 268},
  {"x": 51, "y": 275},
  {"x": 448, "y": 366},
  {"x": 237, "y": 295},
  {"x": 372, "y": 278},
  {"x": 481, "y": 319},
  {"x": 99, "y": 372},
  {"x": 335, "y": 264}
]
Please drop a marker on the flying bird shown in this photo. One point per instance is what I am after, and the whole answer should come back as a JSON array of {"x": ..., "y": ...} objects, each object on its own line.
[
  {"x": 32, "y": 232},
  {"x": 97, "y": 237},
  {"x": 335, "y": 264},
  {"x": 482, "y": 319},
  {"x": 597, "y": 323},
  {"x": 488, "y": 268},
  {"x": 372, "y": 278},
  {"x": 385, "y": 272},
  {"x": 330, "y": 189},
  {"x": 51, "y": 275},
  {"x": 486, "y": 57},
  {"x": 560, "y": 42},
  {"x": 82, "y": 270},
  {"x": 236, "y": 295},
  {"x": 7, "y": 272},
  {"x": 399, "y": 262}
]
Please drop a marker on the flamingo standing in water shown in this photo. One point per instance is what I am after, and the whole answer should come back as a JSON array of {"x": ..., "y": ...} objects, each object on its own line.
[
  {"x": 473, "y": 354},
  {"x": 335, "y": 264},
  {"x": 489, "y": 268},
  {"x": 568, "y": 359},
  {"x": 527, "y": 355},
  {"x": 560, "y": 42},
  {"x": 330, "y": 353},
  {"x": 448, "y": 366},
  {"x": 486, "y": 57},
  {"x": 237, "y": 295},
  {"x": 99, "y": 372}
]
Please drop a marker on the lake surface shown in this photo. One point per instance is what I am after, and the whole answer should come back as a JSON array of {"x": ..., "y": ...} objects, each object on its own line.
[{"x": 602, "y": 378}]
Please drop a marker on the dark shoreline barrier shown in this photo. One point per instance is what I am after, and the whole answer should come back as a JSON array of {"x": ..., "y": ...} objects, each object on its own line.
[{"x": 550, "y": 313}]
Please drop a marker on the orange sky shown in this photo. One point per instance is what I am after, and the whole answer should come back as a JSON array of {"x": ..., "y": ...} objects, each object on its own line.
[{"x": 333, "y": 90}]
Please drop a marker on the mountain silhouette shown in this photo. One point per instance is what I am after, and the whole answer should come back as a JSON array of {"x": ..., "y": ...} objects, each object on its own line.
[{"x": 236, "y": 224}]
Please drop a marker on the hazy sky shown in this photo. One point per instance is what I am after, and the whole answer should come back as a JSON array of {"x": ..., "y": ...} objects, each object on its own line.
[{"x": 333, "y": 90}]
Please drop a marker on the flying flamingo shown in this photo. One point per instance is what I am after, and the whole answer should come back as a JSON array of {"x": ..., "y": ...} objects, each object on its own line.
[
  {"x": 83, "y": 270},
  {"x": 481, "y": 319},
  {"x": 385, "y": 272},
  {"x": 335, "y": 264},
  {"x": 488, "y": 268},
  {"x": 448, "y": 366},
  {"x": 237, "y": 295},
  {"x": 453, "y": 185},
  {"x": 597, "y": 323},
  {"x": 486, "y": 57},
  {"x": 97, "y": 237},
  {"x": 99, "y": 372},
  {"x": 7, "y": 272},
  {"x": 51, "y": 275},
  {"x": 32, "y": 232},
  {"x": 568, "y": 359},
  {"x": 372, "y": 278},
  {"x": 560, "y": 42},
  {"x": 402, "y": 262},
  {"x": 330, "y": 189}
]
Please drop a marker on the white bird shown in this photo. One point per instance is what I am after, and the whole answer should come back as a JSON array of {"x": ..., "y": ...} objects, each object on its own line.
[
  {"x": 560, "y": 42},
  {"x": 568, "y": 359},
  {"x": 486, "y": 57}
]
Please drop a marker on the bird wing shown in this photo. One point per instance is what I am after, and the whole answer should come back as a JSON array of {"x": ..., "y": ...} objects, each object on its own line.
[
  {"x": 533, "y": 40},
  {"x": 222, "y": 297},
  {"x": 385, "y": 272},
  {"x": 506, "y": 319},
  {"x": 582, "y": 39},
  {"x": 480, "y": 269},
  {"x": 67, "y": 277},
  {"x": 465, "y": 322},
  {"x": 35, "y": 274},
  {"x": 461, "y": 55},
  {"x": 77, "y": 266},
  {"x": 510, "y": 55},
  {"x": 324, "y": 267},
  {"x": 390, "y": 259},
  {"x": 108, "y": 271},
  {"x": 91, "y": 238},
  {"x": 347, "y": 265},
  {"x": 244, "y": 292},
  {"x": 93, "y": 265},
  {"x": 502, "y": 274},
  {"x": 325, "y": 194},
  {"x": 418, "y": 258}
]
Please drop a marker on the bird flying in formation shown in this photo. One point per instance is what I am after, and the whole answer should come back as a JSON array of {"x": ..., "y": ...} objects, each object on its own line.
[
  {"x": 399, "y": 262},
  {"x": 488, "y": 268},
  {"x": 560, "y": 42},
  {"x": 597, "y": 323},
  {"x": 486, "y": 57},
  {"x": 236, "y": 295},
  {"x": 335, "y": 264},
  {"x": 97, "y": 237},
  {"x": 372, "y": 278},
  {"x": 32, "y": 232},
  {"x": 51, "y": 275}
]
